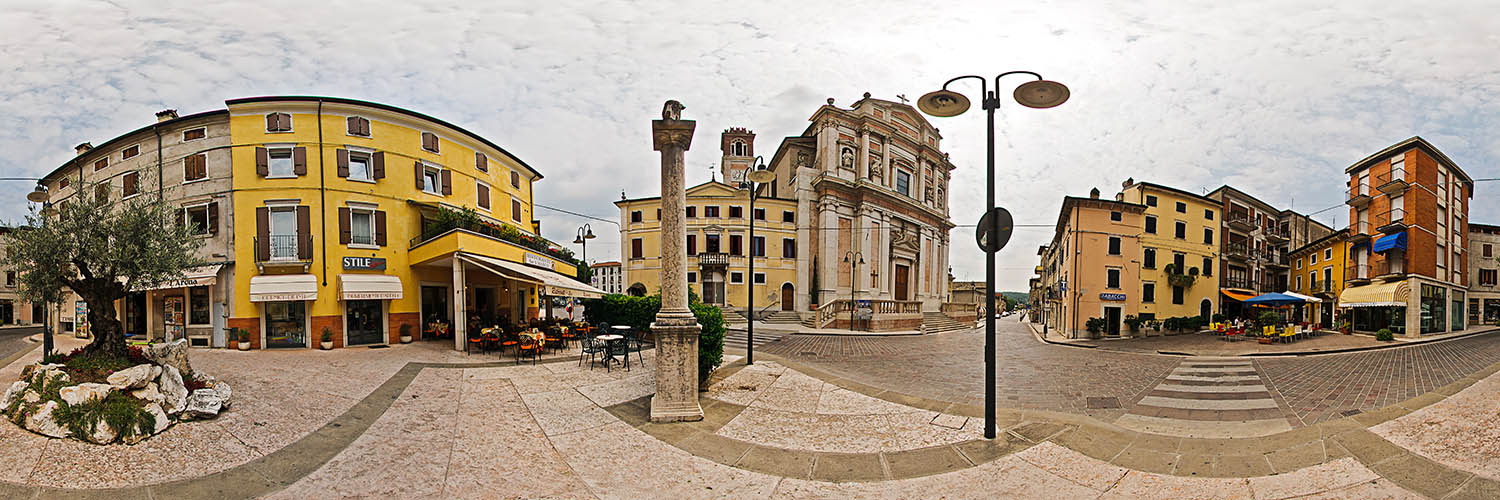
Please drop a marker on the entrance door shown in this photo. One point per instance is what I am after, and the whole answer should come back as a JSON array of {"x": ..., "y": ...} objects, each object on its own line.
[
  {"x": 788, "y": 301},
  {"x": 1112, "y": 321},
  {"x": 286, "y": 324},
  {"x": 902, "y": 273},
  {"x": 135, "y": 314},
  {"x": 1206, "y": 309},
  {"x": 484, "y": 300},
  {"x": 435, "y": 305},
  {"x": 364, "y": 322},
  {"x": 7, "y": 312}
]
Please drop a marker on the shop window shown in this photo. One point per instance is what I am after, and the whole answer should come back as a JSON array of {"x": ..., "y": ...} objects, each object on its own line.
[
  {"x": 286, "y": 324},
  {"x": 198, "y": 305},
  {"x": 1434, "y": 309}
]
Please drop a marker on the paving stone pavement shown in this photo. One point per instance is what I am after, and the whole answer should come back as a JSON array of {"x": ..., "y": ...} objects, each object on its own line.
[{"x": 1209, "y": 398}]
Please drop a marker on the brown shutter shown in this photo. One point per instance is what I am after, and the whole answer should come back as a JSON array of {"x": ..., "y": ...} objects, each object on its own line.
[
  {"x": 130, "y": 187},
  {"x": 343, "y": 159},
  {"x": 483, "y": 196},
  {"x": 364, "y": 126},
  {"x": 447, "y": 182},
  {"x": 188, "y": 169},
  {"x": 692, "y": 244},
  {"x": 262, "y": 162},
  {"x": 262, "y": 233},
  {"x": 202, "y": 166},
  {"x": 380, "y": 227},
  {"x": 343, "y": 225},
  {"x": 304, "y": 232},
  {"x": 285, "y": 122},
  {"x": 419, "y": 175},
  {"x": 481, "y": 162},
  {"x": 378, "y": 160},
  {"x": 213, "y": 217},
  {"x": 273, "y": 122},
  {"x": 353, "y": 125},
  {"x": 299, "y": 160}
]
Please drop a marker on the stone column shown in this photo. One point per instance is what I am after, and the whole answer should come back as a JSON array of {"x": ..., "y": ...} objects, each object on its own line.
[
  {"x": 675, "y": 328},
  {"x": 460, "y": 326}
]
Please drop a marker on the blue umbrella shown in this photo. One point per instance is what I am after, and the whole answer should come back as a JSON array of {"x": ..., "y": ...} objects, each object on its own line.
[{"x": 1274, "y": 299}]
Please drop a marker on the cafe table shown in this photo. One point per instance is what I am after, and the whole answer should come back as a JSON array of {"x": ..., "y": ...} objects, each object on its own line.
[{"x": 610, "y": 341}]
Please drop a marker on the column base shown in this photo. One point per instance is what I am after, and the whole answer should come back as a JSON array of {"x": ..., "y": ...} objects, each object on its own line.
[{"x": 676, "y": 398}]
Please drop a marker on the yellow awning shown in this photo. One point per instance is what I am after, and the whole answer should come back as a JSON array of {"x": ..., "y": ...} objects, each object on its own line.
[
  {"x": 1240, "y": 296},
  {"x": 1394, "y": 293}
]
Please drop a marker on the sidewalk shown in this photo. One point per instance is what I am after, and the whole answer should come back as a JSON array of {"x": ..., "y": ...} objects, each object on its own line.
[
  {"x": 1207, "y": 344},
  {"x": 761, "y": 326}
]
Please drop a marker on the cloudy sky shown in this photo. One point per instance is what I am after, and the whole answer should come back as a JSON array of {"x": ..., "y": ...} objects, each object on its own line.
[{"x": 1275, "y": 98}]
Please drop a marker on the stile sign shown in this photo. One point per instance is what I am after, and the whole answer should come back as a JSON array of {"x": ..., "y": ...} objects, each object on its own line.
[{"x": 365, "y": 263}]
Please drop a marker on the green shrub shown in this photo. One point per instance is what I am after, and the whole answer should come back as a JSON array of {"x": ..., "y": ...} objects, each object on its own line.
[
  {"x": 1269, "y": 318},
  {"x": 1384, "y": 335},
  {"x": 711, "y": 341},
  {"x": 617, "y": 309},
  {"x": 123, "y": 413},
  {"x": 1094, "y": 325}
]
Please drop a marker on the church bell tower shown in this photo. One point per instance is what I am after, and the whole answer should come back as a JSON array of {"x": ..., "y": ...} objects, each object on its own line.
[{"x": 738, "y": 145}]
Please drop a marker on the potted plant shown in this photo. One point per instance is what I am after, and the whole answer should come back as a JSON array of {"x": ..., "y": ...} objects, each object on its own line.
[
  {"x": 1133, "y": 323},
  {"x": 244, "y": 339},
  {"x": 1094, "y": 326},
  {"x": 1271, "y": 319},
  {"x": 327, "y": 340},
  {"x": 405, "y": 333}
]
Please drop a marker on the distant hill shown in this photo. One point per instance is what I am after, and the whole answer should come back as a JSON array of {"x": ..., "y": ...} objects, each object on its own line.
[{"x": 1019, "y": 297}]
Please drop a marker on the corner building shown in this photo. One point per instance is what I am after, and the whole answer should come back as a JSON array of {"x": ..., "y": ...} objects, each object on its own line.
[{"x": 1179, "y": 251}]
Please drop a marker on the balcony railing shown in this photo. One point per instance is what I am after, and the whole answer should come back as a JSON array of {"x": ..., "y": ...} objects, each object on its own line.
[
  {"x": 1359, "y": 231},
  {"x": 1276, "y": 234},
  {"x": 1359, "y": 272},
  {"x": 1270, "y": 287},
  {"x": 1390, "y": 269},
  {"x": 1393, "y": 182},
  {"x": 713, "y": 259},
  {"x": 1391, "y": 221},
  {"x": 1240, "y": 222},
  {"x": 1272, "y": 258},
  {"x": 1237, "y": 251},
  {"x": 1359, "y": 196},
  {"x": 282, "y": 248},
  {"x": 1318, "y": 287},
  {"x": 1242, "y": 283}
]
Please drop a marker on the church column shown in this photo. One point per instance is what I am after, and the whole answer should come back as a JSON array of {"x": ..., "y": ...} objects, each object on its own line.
[
  {"x": 830, "y": 258},
  {"x": 884, "y": 239}
]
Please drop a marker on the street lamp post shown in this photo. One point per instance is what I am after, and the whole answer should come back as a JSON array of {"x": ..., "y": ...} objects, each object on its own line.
[
  {"x": 757, "y": 176},
  {"x": 854, "y": 259},
  {"x": 39, "y": 195},
  {"x": 585, "y": 234},
  {"x": 1038, "y": 93}
]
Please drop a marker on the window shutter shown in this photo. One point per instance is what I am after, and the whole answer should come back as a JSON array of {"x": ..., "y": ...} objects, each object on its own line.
[
  {"x": 304, "y": 232},
  {"x": 364, "y": 127},
  {"x": 286, "y": 121},
  {"x": 419, "y": 175},
  {"x": 189, "y": 170},
  {"x": 378, "y": 162},
  {"x": 483, "y": 196},
  {"x": 273, "y": 122},
  {"x": 262, "y": 233},
  {"x": 343, "y": 160},
  {"x": 481, "y": 162},
  {"x": 130, "y": 184},
  {"x": 353, "y": 125},
  {"x": 447, "y": 182},
  {"x": 343, "y": 225},
  {"x": 299, "y": 160},
  {"x": 202, "y": 166},
  {"x": 262, "y": 162},
  {"x": 213, "y": 217},
  {"x": 380, "y": 227}
]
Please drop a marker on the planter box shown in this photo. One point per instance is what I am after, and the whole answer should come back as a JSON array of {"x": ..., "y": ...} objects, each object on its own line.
[{"x": 1266, "y": 340}]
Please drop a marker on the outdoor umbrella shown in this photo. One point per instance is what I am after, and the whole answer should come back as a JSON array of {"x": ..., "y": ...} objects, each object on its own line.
[{"x": 1273, "y": 300}]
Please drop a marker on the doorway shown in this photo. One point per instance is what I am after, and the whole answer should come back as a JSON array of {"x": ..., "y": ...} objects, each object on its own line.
[
  {"x": 1206, "y": 309},
  {"x": 135, "y": 314},
  {"x": 364, "y": 322},
  {"x": 902, "y": 276},
  {"x": 1112, "y": 321},
  {"x": 286, "y": 324},
  {"x": 435, "y": 304},
  {"x": 788, "y": 300},
  {"x": 484, "y": 300}
]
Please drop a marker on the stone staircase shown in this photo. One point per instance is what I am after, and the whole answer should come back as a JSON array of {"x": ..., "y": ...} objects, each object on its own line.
[
  {"x": 783, "y": 319},
  {"x": 734, "y": 320},
  {"x": 936, "y": 322}
]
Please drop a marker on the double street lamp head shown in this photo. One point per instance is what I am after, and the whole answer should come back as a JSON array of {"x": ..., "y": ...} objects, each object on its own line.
[
  {"x": 1040, "y": 94},
  {"x": 584, "y": 233}
]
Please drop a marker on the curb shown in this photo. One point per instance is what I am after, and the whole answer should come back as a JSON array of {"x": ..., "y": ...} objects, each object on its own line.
[{"x": 1038, "y": 336}]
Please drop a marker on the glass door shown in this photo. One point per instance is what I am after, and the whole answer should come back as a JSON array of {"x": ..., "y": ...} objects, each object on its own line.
[
  {"x": 364, "y": 322},
  {"x": 286, "y": 324}
]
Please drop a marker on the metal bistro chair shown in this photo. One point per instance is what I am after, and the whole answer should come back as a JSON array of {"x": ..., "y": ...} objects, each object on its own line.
[
  {"x": 591, "y": 349},
  {"x": 532, "y": 344},
  {"x": 633, "y": 344}
]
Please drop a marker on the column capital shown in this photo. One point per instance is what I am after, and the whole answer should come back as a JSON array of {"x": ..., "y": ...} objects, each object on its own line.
[{"x": 672, "y": 133}]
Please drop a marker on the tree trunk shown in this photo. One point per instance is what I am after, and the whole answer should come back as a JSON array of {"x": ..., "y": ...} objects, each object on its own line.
[{"x": 109, "y": 337}]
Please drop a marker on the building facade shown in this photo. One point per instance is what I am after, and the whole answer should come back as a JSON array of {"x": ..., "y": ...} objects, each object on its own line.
[
  {"x": 607, "y": 276},
  {"x": 1484, "y": 265},
  {"x": 14, "y": 310},
  {"x": 1257, "y": 239},
  {"x": 1091, "y": 269},
  {"x": 1319, "y": 270},
  {"x": 327, "y": 215},
  {"x": 1179, "y": 242},
  {"x": 1408, "y": 207}
]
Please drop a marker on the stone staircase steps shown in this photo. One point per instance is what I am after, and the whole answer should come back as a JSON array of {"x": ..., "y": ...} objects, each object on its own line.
[{"x": 936, "y": 322}]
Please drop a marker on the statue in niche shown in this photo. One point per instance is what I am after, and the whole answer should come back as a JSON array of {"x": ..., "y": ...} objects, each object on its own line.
[
  {"x": 846, "y": 159},
  {"x": 875, "y": 169},
  {"x": 801, "y": 159}
]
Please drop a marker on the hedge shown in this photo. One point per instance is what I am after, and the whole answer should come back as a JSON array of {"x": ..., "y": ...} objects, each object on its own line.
[{"x": 639, "y": 312}]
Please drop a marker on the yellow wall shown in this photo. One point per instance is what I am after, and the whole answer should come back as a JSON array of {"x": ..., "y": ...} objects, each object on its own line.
[
  {"x": 1303, "y": 265},
  {"x": 1085, "y": 261},
  {"x": 398, "y": 135},
  {"x": 1192, "y": 247}
]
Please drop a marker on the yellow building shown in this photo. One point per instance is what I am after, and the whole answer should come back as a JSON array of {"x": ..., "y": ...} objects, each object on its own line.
[
  {"x": 1090, "y": 270},
  {"x": 718, "y": 247},
  {"x": 1318, "y": 271},
  {"x": 1179, "y": 247},
  {"x": 336, "y": 207}
]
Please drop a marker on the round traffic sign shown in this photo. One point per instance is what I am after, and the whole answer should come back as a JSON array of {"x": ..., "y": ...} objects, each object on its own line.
[{"x": 994, "y": 230}]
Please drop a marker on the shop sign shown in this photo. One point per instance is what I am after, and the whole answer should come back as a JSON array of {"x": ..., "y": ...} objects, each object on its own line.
[
  {"x": 283, "y": 297},
  {"x": 1112, "y": 296},
  {"x": 538, "y": 261},
  {"x": 365, "y": 263}
]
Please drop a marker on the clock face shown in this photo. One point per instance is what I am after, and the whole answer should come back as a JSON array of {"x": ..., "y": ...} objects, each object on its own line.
[{"x": 737, "y": 175}]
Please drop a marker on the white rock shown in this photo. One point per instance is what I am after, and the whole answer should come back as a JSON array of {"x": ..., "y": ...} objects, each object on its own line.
[
  {"x": 42, "y": 423},
  {"x": 75, "y": 395},
  {"x": 15, "y": 391},
  {"x": 103, "y": 433},
  {"x": 204, "y": 403},
  {"x": 173, "y": 354},
  {"x": 174, "y": 393},
  {"x": 134, "y": 377},
  {"x": 150, "y": 393},
  {"x": 162, "y": 423},
  {"x": 155, "y": 372},
  {"x": 31, "y": 397},
  {"x": 224, "y": 393}
]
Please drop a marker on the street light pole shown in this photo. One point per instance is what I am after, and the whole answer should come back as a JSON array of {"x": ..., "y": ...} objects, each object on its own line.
[
  {"x": 945, "y": 103},
  {"x": 756, "y": 176},
  {"x": 854, "y": 262},
  {"x": 40, "y": 195}
]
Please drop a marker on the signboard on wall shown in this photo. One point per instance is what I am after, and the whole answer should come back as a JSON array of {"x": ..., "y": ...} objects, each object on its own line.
[
  {"x": 173, "y": 318},
  {"x": 81, "y": 324},
  {"x": 538, "y": 261},
  {"x": 364, "y": 263},
  {"x": 1112, "y": 296}
]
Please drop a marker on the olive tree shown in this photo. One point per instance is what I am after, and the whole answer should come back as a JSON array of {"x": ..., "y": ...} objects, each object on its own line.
[{"x": 102, "y": 248}]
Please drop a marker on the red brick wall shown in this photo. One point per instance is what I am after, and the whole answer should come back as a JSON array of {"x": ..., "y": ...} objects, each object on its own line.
[
  {"x": 409, "y": 318},
  {"x": 1421, "y": 206},
  {"x": 335, "y": 325},
  {"x": 251, "y": 325}
]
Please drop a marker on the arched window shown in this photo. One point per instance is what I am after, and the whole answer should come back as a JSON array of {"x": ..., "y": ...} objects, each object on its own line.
[{"x": 737, "y": 148}]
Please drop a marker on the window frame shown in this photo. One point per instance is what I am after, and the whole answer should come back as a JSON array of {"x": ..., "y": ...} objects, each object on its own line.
[
  {"x": 1148, "y": 263},
  {"x": 368, "y": 159},
  {"x": 187, "y": 219},
  {"x": 637, "y": 249},
  {"x": 637, "y": 216},
  {"x": 203, "y": 130},
  {"x": 1114, "y": 278},
  {"x": 366, "y": 125},
  {"x": 437, "y": 142},
  {"x": 1116, "y": 246},
  {"x": 758, "y": 279},
  {"x": 736, "y": 277},
  {"x": 1116, "y": 216},
  {"x": 1180, "y": 207},
  {"x": 291, "y": 162},
  {"x": 788, "y": 243},
  {"x": 1179, "y": 230},
  {"x": 185, "y": 179},
  {"x": 788, "y": 217},
  {"x": 289, "y": 126},
  {"x": 368, "y": 211},
  {"x": 896, "y": 182},
  {"x": 137, "y": 183},
  {"x": 1150, "y": 226},
  {"x": 1208, "y": 236},
  {"x": 736, "y": 212},
  {"x": 1148, "y": 297},
  {"x": 1151, "y": 200},
  {"x": 207, "y": 305},
  {"x": 1208, "y": 214},
  {"x": 711, "y": 212},
  {"x": 516, "y": 209},
  {"x": 435, "y": 174},
  {"x": 132, "y": 147}
]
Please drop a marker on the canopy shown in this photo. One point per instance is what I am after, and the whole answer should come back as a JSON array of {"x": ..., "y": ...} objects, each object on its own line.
[
  {"x": 1390, "y": 242},
  {"x": 1240, "y": 296},
  {"x": 198, "y": 276},
  {"x": 280, "y": 287},
  {"x": 1305, "y": 298},
  {"x": 1394, "y": 293},
  {"x": 552, "y": 283},
  {"x": 369, "y": 287},
  {"x": 1273, "y": 299}
]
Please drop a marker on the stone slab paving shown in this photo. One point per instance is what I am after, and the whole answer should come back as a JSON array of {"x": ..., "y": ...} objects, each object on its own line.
[{"x": 1461, "y": 431}]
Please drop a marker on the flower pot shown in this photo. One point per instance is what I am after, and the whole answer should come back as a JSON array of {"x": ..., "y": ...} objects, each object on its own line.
[
  {"x": 406, "y": 339},
  {"x": 326, "y": 345},
  {"x": 1266, "y": 340},
  {"x": 244, "y": 346},
  {"x": 234, "y": 344}
]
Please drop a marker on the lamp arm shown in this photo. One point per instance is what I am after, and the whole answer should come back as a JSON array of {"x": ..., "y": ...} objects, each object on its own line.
[
  {"x": 1007, "y": 73},
  {"x": 983, "y": 84}
]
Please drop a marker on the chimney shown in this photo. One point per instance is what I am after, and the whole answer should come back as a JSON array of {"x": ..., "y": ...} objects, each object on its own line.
[
  {"x": 1129, "y": 181},
  {"x": 1094, "y": 194},
  {"x": 82, "y": 148},
  {"x": 166, "y": 114},
  {"x": 1120, "y": 196}
]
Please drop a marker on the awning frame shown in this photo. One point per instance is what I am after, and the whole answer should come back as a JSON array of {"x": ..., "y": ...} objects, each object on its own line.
[
  {"x": 283, "y": 287},
  {"x": 551, "y": 283}
]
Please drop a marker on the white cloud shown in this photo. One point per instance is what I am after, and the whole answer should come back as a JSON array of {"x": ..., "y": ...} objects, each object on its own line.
[{"x": 1273, "y": 97}]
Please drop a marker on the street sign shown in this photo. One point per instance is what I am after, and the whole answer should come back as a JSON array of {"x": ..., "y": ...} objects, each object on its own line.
[{"x": 999, "y": 222}]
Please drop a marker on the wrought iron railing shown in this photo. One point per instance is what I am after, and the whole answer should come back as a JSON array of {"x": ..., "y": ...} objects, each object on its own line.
[{"x": 282, "y": 248}]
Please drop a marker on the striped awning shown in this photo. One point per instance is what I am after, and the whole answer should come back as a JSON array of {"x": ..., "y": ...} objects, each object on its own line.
[
  {"x": 1394, "y": 293},
  {"x": 1240, "y": 296}
]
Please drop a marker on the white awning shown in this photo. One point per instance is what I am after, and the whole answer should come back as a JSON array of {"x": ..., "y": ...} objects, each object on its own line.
[
  {"x": 369, "y": 287},
  {"x": 552, "y": 283},
  {"x": 198, "y": 276},
  {"x": 1303, "y": 297},
  {"x": 283, "y": 287}
]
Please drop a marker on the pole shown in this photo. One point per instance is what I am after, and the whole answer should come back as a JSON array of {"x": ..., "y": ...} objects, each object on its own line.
[
  {"x": 750, "y": 285},
  {"x": 990, "y": 103}
]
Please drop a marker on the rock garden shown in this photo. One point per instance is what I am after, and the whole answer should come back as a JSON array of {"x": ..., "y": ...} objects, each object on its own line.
[{"x": 103, "y": 399}]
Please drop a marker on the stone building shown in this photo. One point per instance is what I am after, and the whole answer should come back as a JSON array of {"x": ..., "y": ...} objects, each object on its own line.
[
  {"x": 1256, "y": 240},
  {"x": 1484, "y": 265},
  {"x": 607, "y": 277}
]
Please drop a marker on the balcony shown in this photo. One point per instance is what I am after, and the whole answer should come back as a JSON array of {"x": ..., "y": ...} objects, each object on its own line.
[
  {"x": 1320, "y": 287},
  {"x": 1270, "y": 288},
  {"x": 1359, "y": 196},
  {"x": 283, "y": 250},
  {"x": 1392, "y": 221},
  {"x": 1273, "y": 259},
  {"x": 1391, "y": 269},
  {"x": 1237, "y": 251},
  {"x": 1276, "y": 235},
  {"x": 1392, "y": 183},
  {"x": 1359, "y": 273},
  {"x": 713, "y": 260},
  {"x": 1359, "y": 232},
  {"x": 1241, "y": 222},
  {"x": 1240, "y": 283}
]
